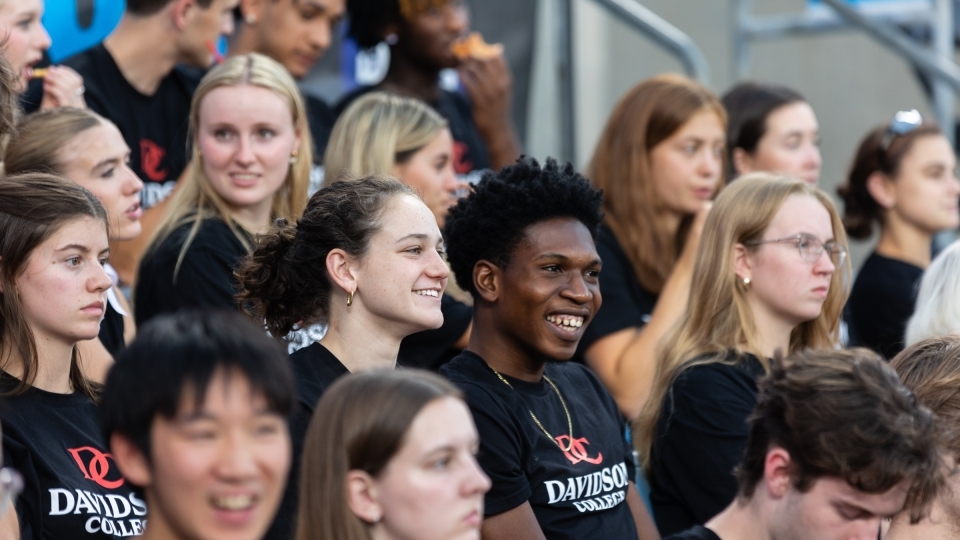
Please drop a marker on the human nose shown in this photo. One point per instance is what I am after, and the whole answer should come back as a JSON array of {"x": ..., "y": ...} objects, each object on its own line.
[
  {"x": 710, "y": 165},
  {"x": 43, "y": 38},
  {"x": 437, "y": 268},
  {"x": 226, "y": 24},
  {"x": 100, "y": 281},
  {"x": 577, "y": 289},
  {"x": 450, "y": 182},
  {"x": 457, "y": 17},
  {"x": 476, "y": 482},
  {"x": 813, "y": 160},
  {"x": 236, "y": 459},
  {"x": 824, "y": 263},
  {"x": 244, "y": 155},
  {"x": 133, "y": 184},
  {"x": 320, "y": 37}
]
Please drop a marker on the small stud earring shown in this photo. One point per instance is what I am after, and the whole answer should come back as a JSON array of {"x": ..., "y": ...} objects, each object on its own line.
[
  {"x": 746, "y": 281},
  {"x": 250, "y": 18},
  {"x": 392, "y": 39},
  {"x": 293, "y": 157}
]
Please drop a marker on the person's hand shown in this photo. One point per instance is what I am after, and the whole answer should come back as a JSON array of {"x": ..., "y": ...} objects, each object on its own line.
[
  {"x": 689, "y": 254},
  {"x": 489, "y": 84},
  {"x": 62, "y": 87}
]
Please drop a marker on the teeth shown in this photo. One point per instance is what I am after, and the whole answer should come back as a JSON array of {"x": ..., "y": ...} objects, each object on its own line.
[
  {"x": 233, "y": 502},
  {"x": 567, "y": 322},
  {"x": 428, "y": 292}
]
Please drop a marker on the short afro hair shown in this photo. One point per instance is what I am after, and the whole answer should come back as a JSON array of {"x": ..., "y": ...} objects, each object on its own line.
[
  {"x": 369, "y": 18},
  {"x": 489, "y": 223}
]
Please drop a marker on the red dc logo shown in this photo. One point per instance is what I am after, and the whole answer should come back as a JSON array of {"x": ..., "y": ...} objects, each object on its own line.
[
  {"x": 151, "y": 154},
  {"x": 97, "y": 468},
  {"x": 578, "y": 450}
]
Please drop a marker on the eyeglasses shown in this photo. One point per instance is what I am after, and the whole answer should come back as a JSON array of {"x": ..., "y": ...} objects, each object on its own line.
[
  {"x": 903, "y": 122},
  {"x": 810, "y": 248},
  {"x": 11, "y": 485}
]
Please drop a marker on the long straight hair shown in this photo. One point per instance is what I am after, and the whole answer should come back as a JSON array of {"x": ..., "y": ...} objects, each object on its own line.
[
  {"x": 352, "y": 433},
  {"x": 646, "y": 116},
  {"x": 718, "y": 317},
  {"x": 42, "y": 136},
  {"x": 33, "y": 207},
  {"x": 195, "y": 200}
]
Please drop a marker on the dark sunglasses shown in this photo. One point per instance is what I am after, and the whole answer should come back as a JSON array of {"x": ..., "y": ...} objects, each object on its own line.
[{"x": 903, "y": 122}]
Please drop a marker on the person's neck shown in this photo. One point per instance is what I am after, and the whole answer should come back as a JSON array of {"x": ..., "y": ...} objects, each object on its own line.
[
  {"x": 905, "y": 242},
  {"x": 253, "y": 219},
  {"x": 406, "y": 78},
  {"x": 53, "y": 364},
  {"x": 144, "y": 50},
  {"x": 502, "y": 354},
  {"x": 741, "y": 521},
  {"x": 158, "y": 527},
  {"x": 359, "y": 339},
  {"x": 772, "y": 332},
  {"x": 243, "y": 41}
]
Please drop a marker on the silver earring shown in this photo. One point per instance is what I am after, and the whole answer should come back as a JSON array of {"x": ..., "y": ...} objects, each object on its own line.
[
  {"x": 250, "y": 18},
  {"x": 392, "y": 39}
]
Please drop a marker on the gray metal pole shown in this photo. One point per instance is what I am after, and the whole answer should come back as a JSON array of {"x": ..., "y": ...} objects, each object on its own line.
[
  {"x": 741, "y": 40},
  {"x": 943, "y": 96},
  {"x": 565, "y": 76}
]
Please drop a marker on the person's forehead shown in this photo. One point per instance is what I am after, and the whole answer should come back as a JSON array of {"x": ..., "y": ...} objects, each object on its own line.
[
  {"x": 566, "y": 236},
  {"x": 838, "y": 491},
  {"x": 224, "y": 392}
]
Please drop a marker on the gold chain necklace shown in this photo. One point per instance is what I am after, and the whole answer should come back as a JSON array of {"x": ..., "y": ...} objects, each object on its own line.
[{"x": 543, "y": 429}]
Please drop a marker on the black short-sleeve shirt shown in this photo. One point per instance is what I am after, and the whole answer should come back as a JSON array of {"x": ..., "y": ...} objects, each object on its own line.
[
  {"x": 155, "y": 127},
  {"x": 700, "y": 437},
  {"x": 72, "y": 486},
  {"x": 881, "y": 303},
  {"x": 696, "y": 533},
  {"x": 205, "y": 278},
  {"x": 470, "y": 152},
  {"x": 320, "y": 118},
  {"x": 626, "y": 304},
  {"x": 431, "y": 349},
  {"x": 111, "y": 330},
  {"x": 315, "y": 368},
  {"x": 577, "y": 494}
]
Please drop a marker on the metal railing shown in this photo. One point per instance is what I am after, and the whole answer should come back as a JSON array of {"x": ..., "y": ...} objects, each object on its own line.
[
  {"x": 641, "y": 19},
  {"x": 935, "y": 61}
]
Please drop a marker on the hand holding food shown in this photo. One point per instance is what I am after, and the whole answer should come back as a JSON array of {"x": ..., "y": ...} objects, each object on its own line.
[{"x": 473, "y": 46}]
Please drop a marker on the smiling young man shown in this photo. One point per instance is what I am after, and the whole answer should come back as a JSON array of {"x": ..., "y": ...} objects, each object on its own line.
[
  {"x": 195, "y": 412},
  {"x": 836, "y": 445},
  {"x": 551, "y": 438}
]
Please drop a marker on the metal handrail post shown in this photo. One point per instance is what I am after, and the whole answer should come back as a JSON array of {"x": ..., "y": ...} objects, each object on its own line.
[
  {"x": 943, "y": 97},
  {"x": 565, "y": 74}
]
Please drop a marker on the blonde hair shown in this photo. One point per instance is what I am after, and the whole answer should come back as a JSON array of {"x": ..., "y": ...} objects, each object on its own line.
[
  {"x": 376, "y": 132},
  {"x": 195, "y": 200},
  {"x": 647, "y": 115},
  {"x": 936, "y": 312},
  {"x": 718, "y": 317}
]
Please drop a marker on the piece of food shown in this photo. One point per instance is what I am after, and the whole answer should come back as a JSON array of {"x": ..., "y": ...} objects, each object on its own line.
[
  {"x": 473, "y": 46},
  {"x": 39, "y": 73}
]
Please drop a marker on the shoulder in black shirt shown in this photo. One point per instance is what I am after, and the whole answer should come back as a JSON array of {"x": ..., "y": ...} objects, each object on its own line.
[
  {"x": 470, "y": 152},
  {"x": 626, "y": 304},
  {"x": 155, "y": 127},
  {"x": 881, "y": 303},
  {"x": 205, "y": 278},
  {"x": 696, "y": 533},
  {"x": 111, "y": 330},
  {"x": 315, "y": 368},
  {"x": 72, "y": 486},
  {"x": 700, "y": 437},
  {"x": 575, "y": 494}
]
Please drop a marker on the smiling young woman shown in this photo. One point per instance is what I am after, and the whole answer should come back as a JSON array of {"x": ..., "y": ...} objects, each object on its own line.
[
  {"x": 251, "y": 164},
  {"x": 366, "y": 261}
]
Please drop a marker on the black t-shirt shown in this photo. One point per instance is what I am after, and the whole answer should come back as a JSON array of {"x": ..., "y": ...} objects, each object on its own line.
[
  {"x": 314, "y": 369},
  {"x": 321, "y": 118},
  {"x": 578, "y": 494},
  {"x": 626, "y": 303},
  {"x": 154, "y": 127},
  {"x": 470, "y": 152},
  {"x": 205, "y": 279},
  {"x": 111, "y": 331},
  {"x": 700, "y": 437},
  {"x": 696, "y": 533},
  {"x": 431, "y": 349},
  {"x": 72, "y": 486},
  {"x": 881, "y": 303}
]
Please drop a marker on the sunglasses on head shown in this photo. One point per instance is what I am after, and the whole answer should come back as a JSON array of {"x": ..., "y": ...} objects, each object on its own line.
[{"x": 903, "y": 122}]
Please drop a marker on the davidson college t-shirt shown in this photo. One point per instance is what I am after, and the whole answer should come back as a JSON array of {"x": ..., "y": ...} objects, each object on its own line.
[
  {"x": 577, "y": 494},
  {"x": 72, "y": 486}
]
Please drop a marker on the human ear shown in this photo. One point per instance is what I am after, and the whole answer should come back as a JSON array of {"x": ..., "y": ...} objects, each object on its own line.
[
  {"x": 742, "y": 265},
  {"x": 133, "y": 464},
  {"x": 342, "y": 270},
  {"x": 182, "y": 11},
  {"x": 881, "y": 188},
  {"x": 742, "y": 161},
  {"x": 776, "y": 472},
  {"x": 486, "y": 280},
  {"x": 362, "y": 496}
]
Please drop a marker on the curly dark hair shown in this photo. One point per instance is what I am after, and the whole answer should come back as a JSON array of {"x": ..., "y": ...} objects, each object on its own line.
[
  {"x": 490, "y": 222},
  {"x": 845, "y": 414}
]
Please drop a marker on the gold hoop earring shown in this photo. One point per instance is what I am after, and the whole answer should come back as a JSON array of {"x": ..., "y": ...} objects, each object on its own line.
[{"x": 349, "y": 298}]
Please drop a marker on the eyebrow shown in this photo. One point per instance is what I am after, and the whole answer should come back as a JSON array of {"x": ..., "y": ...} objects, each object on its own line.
[
  {"x": 563, "y": 257},
  {"x": 81, "y": 248},
  {"x": 308, "y": 3},
  {"x": 104, "y": 163},
  {"x": 418, "y": 236}
]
